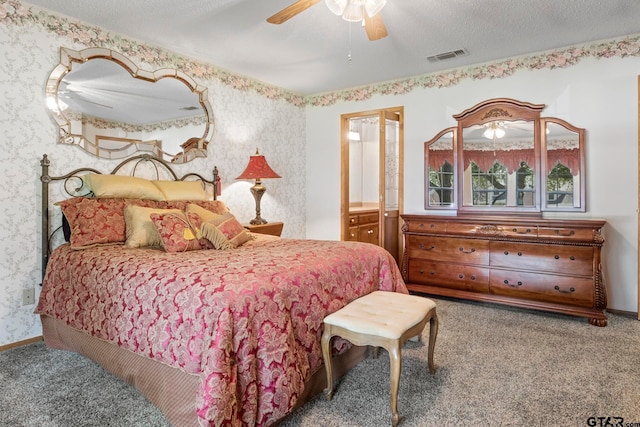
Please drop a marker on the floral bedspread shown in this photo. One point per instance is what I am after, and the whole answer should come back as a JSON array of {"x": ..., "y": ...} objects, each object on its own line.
[{"x": 248, "y": 321}]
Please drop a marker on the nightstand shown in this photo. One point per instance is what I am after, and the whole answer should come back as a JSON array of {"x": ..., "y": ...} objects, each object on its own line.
[{"x": 272, "y": 228}]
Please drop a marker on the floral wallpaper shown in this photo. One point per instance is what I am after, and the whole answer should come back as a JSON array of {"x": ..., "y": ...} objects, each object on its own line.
[{"x": 247, "y": 115}]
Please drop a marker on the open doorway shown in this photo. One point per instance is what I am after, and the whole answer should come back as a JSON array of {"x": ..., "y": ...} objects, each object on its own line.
[{"x": 372, "y": 147}]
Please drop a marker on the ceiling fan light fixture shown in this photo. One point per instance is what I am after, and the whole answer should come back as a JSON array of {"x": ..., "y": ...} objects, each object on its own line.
[
  {"x": 337, "y": 6},
  {"x": 493, "y": 132},
  {"x": 353, "y": 11},
  {"x": 374, "y": 6}
]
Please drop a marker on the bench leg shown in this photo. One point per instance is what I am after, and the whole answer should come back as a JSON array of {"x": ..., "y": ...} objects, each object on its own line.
[
  {"x": 395, "y": 364},
  {"x": 433, "y": 333},
  {"x": 326, "y": 355}
]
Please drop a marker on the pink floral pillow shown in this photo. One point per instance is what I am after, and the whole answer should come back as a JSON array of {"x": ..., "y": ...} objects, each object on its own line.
[
  {"x": 231, "y": 228},
  {"x": 97, "y": 221},
  {"x": 180, "y": 232}
]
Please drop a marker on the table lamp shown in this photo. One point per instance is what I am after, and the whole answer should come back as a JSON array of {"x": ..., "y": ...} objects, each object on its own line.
[{"x": 258, "y": 169}]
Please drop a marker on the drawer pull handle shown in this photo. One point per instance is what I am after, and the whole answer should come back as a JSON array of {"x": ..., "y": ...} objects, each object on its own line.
[
  {"x": 572, "y": 258},
  {"x": 557, "y": 256},
  {"x": 473, "y": 277},
  {"x": 460, "y": 276},
  {"x": 432, "y": 272},
  {"x": 370, "y": 231},
  {"x": 506, "y": 282},
  {"x": 519, "y": 253},
  {"x": 528, "y": 230},
  {"x": 566, "y": 233},
  {"x": 557, "y": 288},
  {"x": 472, "y": 250},
  {"x": 506, "y": 252},
  {"x": 423, "y": 246},
  {"x": 421, "y": 271}
]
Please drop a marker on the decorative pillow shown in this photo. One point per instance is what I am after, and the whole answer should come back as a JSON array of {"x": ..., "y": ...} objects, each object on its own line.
[
  {"x": 215, "y": 206},
  {"x": 231, "y": 228},
  {"x": 215, "y": 236},
  {"x": 204, "y": 214},
  {"x": 120, "y": 186},
  {"x": 180, "y": 232},
  {"x": 96, "y": 221},
  {"x": 181, "y": 190},
  {"x": 140, "y": 230}
]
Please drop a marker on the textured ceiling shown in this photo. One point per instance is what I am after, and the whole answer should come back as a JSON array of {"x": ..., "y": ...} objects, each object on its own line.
[{"x": 310, "y": 53}]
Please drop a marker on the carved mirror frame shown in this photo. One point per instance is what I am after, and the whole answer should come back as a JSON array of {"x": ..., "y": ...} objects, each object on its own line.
[
  {"x": 71, "y": 127},
  {"x": 541, "y": 162}
]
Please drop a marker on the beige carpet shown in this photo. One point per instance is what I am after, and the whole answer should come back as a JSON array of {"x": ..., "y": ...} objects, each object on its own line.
[{"x": 496, "y": 366}]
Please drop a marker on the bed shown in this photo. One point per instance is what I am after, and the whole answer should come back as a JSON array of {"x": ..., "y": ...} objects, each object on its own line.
[{"x": 213, "y": 333}]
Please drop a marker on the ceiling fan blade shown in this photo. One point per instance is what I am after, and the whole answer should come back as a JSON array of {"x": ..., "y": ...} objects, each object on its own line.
[
  {"x": 375, "y": 27},
  {"x": 291, "y": 11}
]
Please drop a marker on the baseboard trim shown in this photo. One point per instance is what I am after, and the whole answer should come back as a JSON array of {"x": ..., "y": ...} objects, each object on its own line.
[
  {"x": 20, "y": 343},
  {"x": 624, "y": 313}
]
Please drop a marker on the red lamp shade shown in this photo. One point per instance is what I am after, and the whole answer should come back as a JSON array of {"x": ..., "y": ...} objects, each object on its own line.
[{"x": 257, "y": 169}]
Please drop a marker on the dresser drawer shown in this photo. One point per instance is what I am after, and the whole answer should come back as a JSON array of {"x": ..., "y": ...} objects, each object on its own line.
[
  {"x": 542, "y": 287},
  {"x": 435, "y": 227},
  {"x": 353, "y": 234},
  {"x": 463, "y": 251},
  {"x": 574, "y": 234},
  {"x": 368, "y": 218},
  {"x": 368, "y": 233},
  {"x": 448, "y": 275},
  {"x": 578, "y": 260}
]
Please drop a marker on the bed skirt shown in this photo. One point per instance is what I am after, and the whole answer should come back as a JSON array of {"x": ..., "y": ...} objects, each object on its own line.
[{"x": 172, "y": 390}]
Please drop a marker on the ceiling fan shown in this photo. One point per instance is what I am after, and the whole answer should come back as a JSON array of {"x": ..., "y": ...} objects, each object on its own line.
[{"x": 365, "y": 11}]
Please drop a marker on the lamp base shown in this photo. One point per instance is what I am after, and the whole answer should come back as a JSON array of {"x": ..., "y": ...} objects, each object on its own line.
[{"x": 258, "y": 190}]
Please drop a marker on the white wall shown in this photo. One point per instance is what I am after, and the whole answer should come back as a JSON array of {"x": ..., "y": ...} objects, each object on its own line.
[{"x": 597, "y": 94}]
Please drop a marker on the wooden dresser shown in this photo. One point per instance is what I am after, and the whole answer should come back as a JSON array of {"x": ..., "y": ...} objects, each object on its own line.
[
  {"x": 364, "y": 226},
  {"x": 544, "y": 264}
]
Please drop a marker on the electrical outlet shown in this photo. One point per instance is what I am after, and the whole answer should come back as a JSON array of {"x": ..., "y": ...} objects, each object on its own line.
[{"x": 28, "y": 296}]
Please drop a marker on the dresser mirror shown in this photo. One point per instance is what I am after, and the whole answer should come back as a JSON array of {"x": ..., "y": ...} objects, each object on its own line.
[
  {"x": 564, "y": 166},
  {"x": 504, "y": 158},
  {"x": 441, "y": 171},
  {"x": 103, "y": 103}
]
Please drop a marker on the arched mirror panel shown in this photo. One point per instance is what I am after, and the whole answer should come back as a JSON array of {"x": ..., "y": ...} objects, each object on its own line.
[
  {"x": 103, "y": 103},
  {"x": 563, "y": 166},
  {"x": 506, "y": 159},
  {"x": 440, "y": 171}
]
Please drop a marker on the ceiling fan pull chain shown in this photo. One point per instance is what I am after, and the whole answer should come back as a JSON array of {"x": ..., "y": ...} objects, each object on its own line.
[{"x": 349, "y": 56}]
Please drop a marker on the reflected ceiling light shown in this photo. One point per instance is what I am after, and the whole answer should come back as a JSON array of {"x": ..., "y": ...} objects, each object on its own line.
[
  {"x": 353, "y": 10},
  {"x": 494, "y": 130}
]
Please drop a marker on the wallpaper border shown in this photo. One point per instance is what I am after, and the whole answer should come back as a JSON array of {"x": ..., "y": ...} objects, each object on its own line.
[{"x": 17, "y": 13}]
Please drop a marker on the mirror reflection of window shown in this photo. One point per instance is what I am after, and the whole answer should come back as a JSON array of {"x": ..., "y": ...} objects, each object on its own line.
[
  {"x": 525, "y": 193},
  {"x": 440, "y": 178},
  {"x": 560, "y": 186},
  {"x": 441, "y": 185},
  {"x": 489, "y": 188},
  {"x": 563, "y": 166}
]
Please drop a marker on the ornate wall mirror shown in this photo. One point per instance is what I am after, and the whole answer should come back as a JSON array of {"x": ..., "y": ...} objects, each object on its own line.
[
  {"x": 105, "y": 104},
  {"x": 504, "y": 158}
]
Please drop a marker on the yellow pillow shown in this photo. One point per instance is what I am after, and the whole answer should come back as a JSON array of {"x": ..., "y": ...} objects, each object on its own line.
[
  {"x": 140, "y": 229},
  {"x": 205, "y": 214},
  {"x": 121, "y": 186},
  {"x": 181, "y": 190}
]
